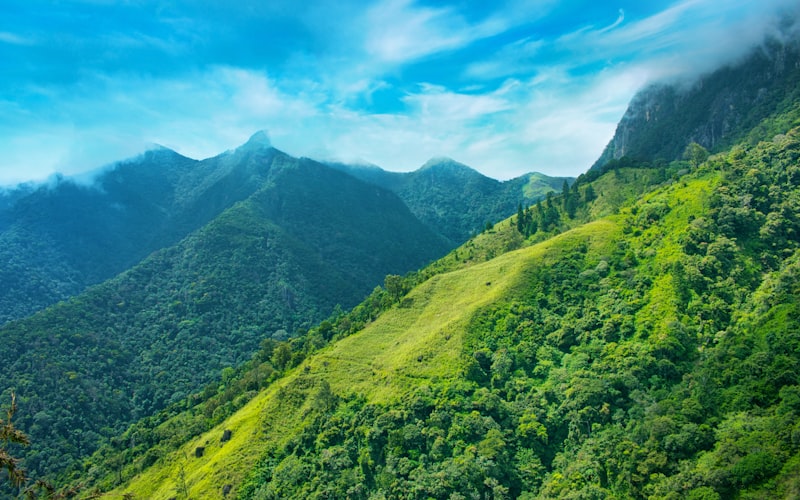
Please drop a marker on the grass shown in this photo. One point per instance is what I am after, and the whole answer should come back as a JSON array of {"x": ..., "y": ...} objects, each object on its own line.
[{"x": 405, "y": 347}]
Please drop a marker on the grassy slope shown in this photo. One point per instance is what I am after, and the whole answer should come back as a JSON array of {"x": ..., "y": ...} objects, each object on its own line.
[{"x": 405, "y": 346}]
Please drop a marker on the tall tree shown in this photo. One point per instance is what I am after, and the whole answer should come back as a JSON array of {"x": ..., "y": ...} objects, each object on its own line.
[{"x": 11, "y": 435}]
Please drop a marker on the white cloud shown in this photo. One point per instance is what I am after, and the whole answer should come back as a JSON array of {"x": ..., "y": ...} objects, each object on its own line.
[
  {"x": 542, "y": 117},
  {"x": 398, "y": 31}
]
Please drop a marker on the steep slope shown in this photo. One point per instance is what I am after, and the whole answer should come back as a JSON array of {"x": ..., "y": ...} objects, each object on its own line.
[
  {"x": 401, "y": 351},
  {"x": 59, "y": 238},
  {"x": 717, "y": 111},
  {"x": 629, "y": 357},
  {"x": 456, "y": 200},
  {"x": 308, "y": 239}
]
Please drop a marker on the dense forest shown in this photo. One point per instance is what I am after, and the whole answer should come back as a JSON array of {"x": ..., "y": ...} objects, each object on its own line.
[
  {"x": 625, "y": 357},
  {"x": 454, "y": 199},
  {"x": 634, "y": 335},
  {"x": 270, "y": 266}
]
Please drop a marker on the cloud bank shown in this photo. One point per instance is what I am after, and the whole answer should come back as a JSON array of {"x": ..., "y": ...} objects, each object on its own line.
[{"x": 507, "y": 87}]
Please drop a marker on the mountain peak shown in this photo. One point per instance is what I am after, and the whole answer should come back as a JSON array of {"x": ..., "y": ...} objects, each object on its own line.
[
  {"x": 259, "y": 140},
  {"x": 442, "y": 161},
  {"x": 445, "y": 164}
]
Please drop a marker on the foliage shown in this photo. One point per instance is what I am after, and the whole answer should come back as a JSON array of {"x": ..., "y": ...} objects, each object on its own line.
[
  {"x": 281, "y": 260},
  {"x": 651, "y": 354},
  {"x": 10, "y": 435},
  {"x": 456, "y": 200}
]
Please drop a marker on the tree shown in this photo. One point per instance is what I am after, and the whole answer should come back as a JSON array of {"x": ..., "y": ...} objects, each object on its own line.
[
  {"x": 394, "y": 286},
  {"x": 695, "y": 154},
  {"x": 281, "y": 356},
  {"x": 589, "y": 194},
  {"x": 8, "y": 435}
]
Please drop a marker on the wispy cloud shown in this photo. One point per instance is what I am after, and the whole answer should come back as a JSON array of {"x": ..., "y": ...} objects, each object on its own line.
[
  {"x": 402, "y": 30},
  {"x": 507, "y": 87},
  {"x": 15, "y": 39}
]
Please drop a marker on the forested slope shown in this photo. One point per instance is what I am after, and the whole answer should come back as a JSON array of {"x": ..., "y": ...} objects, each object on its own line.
[
  {"x": 60, "y": 237},
  {"x": 456, "y": 200},
  {"x": 271, "y": 266},
  {"x": 652, "y": 353}
]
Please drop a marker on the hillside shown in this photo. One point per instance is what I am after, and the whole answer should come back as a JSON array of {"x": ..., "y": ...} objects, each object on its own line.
[
  {"x": 270, "y": 266},
  {"x": 627, "y": 357},
  {"x": 635, "y": 336},
  {"x": 718, "y": 110},
  {"x": 454, "y": 199},
  {"x": 58, "y": 238}
]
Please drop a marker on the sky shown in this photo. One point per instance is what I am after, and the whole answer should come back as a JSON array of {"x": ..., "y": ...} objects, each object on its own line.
[{"x": 507, "y": 87}]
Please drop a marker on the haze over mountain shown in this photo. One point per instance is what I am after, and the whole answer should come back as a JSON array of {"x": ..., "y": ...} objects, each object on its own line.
[
  {"x": 508, "y": 87},
  {"x": 715, "y": 111},
  {"x": 60, "y": 237}
]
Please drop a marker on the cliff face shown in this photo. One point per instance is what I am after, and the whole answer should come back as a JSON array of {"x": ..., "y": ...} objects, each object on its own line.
[{"x": 715, "y": 111}]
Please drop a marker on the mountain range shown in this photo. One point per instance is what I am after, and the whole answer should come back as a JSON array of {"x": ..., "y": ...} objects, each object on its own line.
[
  {"x": 634, "y": 335},
  {"x": 58, "y": 238},
  {"x": 127, "y": 292}
]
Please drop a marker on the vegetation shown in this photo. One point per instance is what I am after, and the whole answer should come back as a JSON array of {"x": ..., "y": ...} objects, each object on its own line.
[
  {"x": 636, "y": 335},
  {"x": 455, "y": 200},
  {"x": 268, "y": 267},
  {"x": 626, "y": 358}
]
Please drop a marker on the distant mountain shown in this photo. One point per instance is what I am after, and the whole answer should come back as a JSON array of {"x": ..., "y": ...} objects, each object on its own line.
[
  {"x": 454, "y": 199},
  {"x": 60, "y": 237},
  {"x": 716, "y": 111},
  {"x": 272, "y": 264}
]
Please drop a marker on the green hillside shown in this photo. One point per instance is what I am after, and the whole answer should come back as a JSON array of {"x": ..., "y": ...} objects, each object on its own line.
[
  {"x": 650, "y": 353},
  {"x": 57, "y": 239},
  {"x": 634, "y": 335},
  {"x": 404, "y": 349},
  {"x": 455, "y": 200},
  {"x": 271, "y": 266}
]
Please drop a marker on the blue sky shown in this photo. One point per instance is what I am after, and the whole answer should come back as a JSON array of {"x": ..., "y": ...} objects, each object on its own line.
[{"x": 506, "y": 87}]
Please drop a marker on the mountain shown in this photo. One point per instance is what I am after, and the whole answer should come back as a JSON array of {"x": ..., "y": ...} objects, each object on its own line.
[
  {"x": 625, "y": 357},
  {"x": 58, "y": 238},
  {"x": 454, "y": 199},
  {"x": 718, "y": 110},
  {"x": 306, "y": 240},
  {"x": 637, "y": 336}
]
